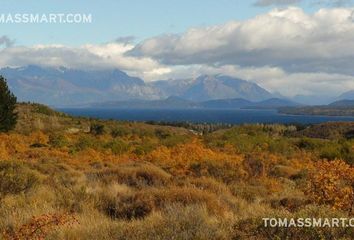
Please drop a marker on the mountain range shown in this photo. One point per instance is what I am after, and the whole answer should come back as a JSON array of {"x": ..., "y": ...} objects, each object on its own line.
[
  {"x": 175, "y": 102},
  {"x": 64, "y": 87},
  {"x": 207, "y": 87},
  {"x": 345, "y": 103},
  {"x": 347, "y": 95},
  {"x": 338, "y": 108},
  {"x": 71, "y": 87}
]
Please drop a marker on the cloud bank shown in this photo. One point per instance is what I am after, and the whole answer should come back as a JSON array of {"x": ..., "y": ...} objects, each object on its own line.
[
  {"x": 331, "y": 3},
  {"x": 285, "y": 50},
  {"x": 287, "y": 38},
  {"x": 89, "y": 56}
]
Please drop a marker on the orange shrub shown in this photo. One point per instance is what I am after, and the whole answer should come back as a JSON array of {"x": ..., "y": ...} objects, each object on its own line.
[
  {"x": 332, "y": 183},
  {"x": 39, "y": 227},
  {"x": 39, "y": 138},
  {"x": 178, "y": 158}
]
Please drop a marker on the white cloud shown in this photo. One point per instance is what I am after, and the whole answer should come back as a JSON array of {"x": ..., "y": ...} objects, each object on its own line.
[
  {"x": 285, "y": 50},
  {"x": 287, "y": 38},
  {"x": 109, "y": 55},
  {"x": 331, "y": 3}
]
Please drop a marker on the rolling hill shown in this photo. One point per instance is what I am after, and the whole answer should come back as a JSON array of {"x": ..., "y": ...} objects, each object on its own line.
[{"x": 337, "y": 108}]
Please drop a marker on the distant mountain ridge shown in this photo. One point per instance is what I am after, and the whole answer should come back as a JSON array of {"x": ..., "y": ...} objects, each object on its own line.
[
  {"x": 313, "y": 99},
  {"x": 347, "y": 95},
  {"x": 227, "y": 103},
  {"x": 338, "y": 108},
  {"x": 63, "y": 86},
  {"x": 208, "y": 87},
  {"x": 170, "y": 102},
  {"x": 342, "y": 103},
  {"x": 177, "y": 102}
]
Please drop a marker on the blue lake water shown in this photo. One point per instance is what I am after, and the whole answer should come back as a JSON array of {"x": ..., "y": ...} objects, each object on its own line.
[{"x": 233, "y": 116}]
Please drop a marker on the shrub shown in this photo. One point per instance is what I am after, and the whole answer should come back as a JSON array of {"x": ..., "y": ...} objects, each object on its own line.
[
  {"x": 140, "y": 204},
  {"x": 332, "y": 183},
  {"x": 162, "y": 134},
  {"x": 85, "y": 142},
  {"x": 176, "y": 221},
  {"x": 131, "y": 206},
  {"x": 187, "y": 196},
  {"x": 289, "y": 203},
  {"x": 174, "y": 140},
  {"x": 308, "y": 143},
  {"x": 39, "y": 138},
  {"x": 117, "y": 146},
  {"x": 284, "y": 171},
  {"x": 15, "y": 178},
  {"x": 97, "y": 129},
  {"x": 42, "y": 109},
  {"x": 40, "y": 226},
  {"x": 58, "y": 140},
  {"x": 254, "y": 166},
  {"x": 71, "y": 198},
  {"x": 249, "y": 192},
  {"x": 226, "y": 171},
  {"x": 120, "y": 132},
  {"x": 38, "y": 145},
  {"x": 137, "y": 174},
  {"x": 144, "y": 148},
  {"x": 330, "y": 152},
  {"x": 206, "y": 184}
]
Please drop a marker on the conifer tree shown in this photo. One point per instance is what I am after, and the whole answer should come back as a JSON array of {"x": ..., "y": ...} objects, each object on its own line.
[{"x": 8, "y": 116}]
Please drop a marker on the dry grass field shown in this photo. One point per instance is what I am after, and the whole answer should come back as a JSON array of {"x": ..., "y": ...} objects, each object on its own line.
[{"x": 64, "y": 177}]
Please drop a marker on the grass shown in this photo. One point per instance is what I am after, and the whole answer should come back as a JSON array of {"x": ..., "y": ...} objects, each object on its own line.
[{"x": 138, "y": 181}]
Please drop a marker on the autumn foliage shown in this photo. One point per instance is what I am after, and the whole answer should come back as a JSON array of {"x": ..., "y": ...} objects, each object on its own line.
[
  {"x": 332, "y": 183},
  {"x": 39, "y": 227},
  {"x": 63, "y": 177}
]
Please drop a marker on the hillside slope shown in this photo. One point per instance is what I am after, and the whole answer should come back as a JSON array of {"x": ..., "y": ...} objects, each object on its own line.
[{"x": 80, "y": 178}]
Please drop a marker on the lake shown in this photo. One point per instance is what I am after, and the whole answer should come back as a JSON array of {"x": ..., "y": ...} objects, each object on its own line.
[{"x": 233, "y": 116}]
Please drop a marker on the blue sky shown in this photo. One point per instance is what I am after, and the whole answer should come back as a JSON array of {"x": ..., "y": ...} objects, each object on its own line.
[
  {"x": 289, "y": 46},
  {"x": 118, "y": 18}
]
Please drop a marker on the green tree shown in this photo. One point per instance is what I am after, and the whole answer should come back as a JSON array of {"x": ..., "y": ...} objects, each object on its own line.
[{"x": 8, "y": 116}]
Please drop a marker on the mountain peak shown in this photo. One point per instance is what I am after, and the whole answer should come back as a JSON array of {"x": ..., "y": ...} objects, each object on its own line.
[
  {"x": 207, "y": 87},
  {"x": 347, "y": 95},
  {"x": 63, "y": 86},
  {"x": 58, "y": 86}
]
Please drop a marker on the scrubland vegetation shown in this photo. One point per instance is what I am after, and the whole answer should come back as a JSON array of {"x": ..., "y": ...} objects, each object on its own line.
[{"x": 76, "y": 178}]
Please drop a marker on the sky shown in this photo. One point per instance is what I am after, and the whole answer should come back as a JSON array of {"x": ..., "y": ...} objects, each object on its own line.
[{"x": 287, "y": 46}]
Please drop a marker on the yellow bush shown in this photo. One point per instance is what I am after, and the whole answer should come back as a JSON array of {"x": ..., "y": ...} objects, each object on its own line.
[{"x": 332, "y": 183}]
